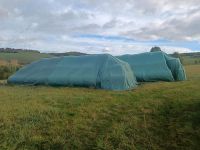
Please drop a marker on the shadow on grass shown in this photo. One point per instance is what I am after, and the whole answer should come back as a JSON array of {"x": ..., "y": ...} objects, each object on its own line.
[{"x": 176, "y": 125}]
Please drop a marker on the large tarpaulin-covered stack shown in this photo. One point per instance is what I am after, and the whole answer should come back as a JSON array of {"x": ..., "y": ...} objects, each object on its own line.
[
  {"x": 176, "y": 68},
  {"x": 155, "y": 66},
  {"x": 100, "y": 71}
]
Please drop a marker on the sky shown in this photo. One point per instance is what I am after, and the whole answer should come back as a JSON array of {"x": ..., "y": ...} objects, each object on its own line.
[{"x": 100, "y": 26}]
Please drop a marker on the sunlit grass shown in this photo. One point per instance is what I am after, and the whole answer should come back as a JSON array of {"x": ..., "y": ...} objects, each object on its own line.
[{"x": 164, "y": 115}]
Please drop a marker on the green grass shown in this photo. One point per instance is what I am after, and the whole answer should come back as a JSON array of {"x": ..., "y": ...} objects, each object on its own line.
[
  {"x": 189, "y": 60},
  {"x": 164, "y": 115},
  {"x": 24, "y": 57}
]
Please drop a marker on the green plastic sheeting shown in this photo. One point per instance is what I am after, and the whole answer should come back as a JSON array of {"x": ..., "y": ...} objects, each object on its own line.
[
  {"x": 155, "y": 66},
  {"x": 99, "y": 71},
  {"x": 176, "y": 68}
]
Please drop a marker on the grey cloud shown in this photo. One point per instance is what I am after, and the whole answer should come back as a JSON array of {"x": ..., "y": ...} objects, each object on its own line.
[
  {"x": 174, "y": 29},
  {"x": 41, "y": 20},
  {"x": 3, "y": 13}
]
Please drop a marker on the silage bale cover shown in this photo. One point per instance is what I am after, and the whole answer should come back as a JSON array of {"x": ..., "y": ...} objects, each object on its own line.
[
  {"x": 155, "y": 66},
  {"x": 100, "y": 71},
  {"x": 176, "y": 68}
]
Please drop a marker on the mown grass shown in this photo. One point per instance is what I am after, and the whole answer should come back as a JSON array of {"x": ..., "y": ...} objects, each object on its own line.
[{"x": 160, "y": 115}]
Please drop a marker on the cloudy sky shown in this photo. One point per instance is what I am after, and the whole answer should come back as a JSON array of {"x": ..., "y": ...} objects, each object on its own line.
[{"x": 100, "y": 26}]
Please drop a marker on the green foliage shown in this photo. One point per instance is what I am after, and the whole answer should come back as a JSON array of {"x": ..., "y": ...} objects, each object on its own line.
[
  {"x": 178, "y": 55},
  {"x": 13, "y": 50},
  {"x": 8, "y": 68},
  {"x": 6, "y": 71},
  {"x": 164, "y": 115},
  {"x": 155, "y": 49}
]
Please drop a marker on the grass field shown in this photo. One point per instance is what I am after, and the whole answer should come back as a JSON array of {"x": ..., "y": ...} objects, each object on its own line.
[
  {"x": 23, "y": 57},
  {"x": 154, "y": 116},
  {"x": 188, "y": 60}
]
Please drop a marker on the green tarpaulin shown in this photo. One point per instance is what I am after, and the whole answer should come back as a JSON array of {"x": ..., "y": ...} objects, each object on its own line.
[
  {"x": 155, "y": 66},
  {"x": 100, "y": 71},
  {"x": 176, "y": 68}
]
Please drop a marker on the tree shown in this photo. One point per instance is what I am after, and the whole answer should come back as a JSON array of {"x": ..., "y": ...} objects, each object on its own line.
[
  {"x": 155, "y": 49},
  {"x": 178, "y": 55}
]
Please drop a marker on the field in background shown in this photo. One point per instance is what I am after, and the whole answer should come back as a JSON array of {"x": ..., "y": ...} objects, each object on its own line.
[
  {"x": 189, "y": 60},
  {"x": 26, "y": 56},
  {"x": 23, "y": 57},
  {"x": 164, "y": 115}
]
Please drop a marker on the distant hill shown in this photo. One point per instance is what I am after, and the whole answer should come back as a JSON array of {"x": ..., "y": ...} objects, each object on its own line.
[
  {"x": 13, "y": 50},
  {"x": 191, "y": 58},
  {"x": 25, "y": 56},
  {"x": 194, "y": 55},
  {"x": 68, "y": 54}
]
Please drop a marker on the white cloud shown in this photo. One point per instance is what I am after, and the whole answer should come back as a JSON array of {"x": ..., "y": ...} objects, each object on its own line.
[{"x": 51, "y": 24}]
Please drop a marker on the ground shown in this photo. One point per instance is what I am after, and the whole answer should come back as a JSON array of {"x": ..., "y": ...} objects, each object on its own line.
[{"x": 164, "y": 115}]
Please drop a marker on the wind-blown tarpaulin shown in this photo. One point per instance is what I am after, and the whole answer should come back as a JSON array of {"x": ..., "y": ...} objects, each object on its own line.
[
  {"x": 155, "y": 66},
  {"x": 100, "y": 71}
]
